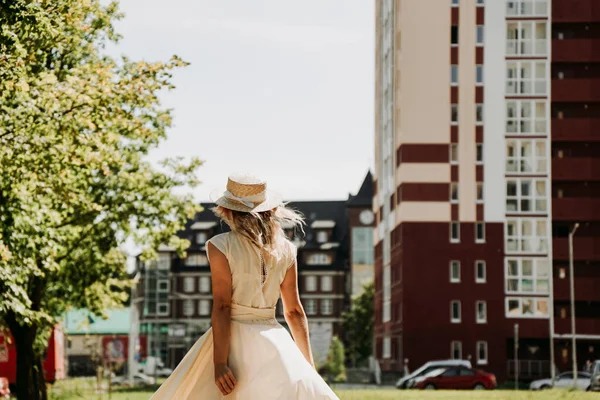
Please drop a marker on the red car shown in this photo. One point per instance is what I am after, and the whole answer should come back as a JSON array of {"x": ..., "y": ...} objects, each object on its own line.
[
  {"x": 457, "y": 378},
  {"x": 4, "y": 389}
]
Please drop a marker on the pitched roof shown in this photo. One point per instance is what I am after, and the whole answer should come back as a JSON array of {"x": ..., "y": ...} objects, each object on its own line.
[
  {"x": 81, "y": 321},
  {"x": 364, "y": 197}
]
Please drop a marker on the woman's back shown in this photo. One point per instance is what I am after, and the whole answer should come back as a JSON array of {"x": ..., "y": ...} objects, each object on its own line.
[{"x": 251, "y": 285}]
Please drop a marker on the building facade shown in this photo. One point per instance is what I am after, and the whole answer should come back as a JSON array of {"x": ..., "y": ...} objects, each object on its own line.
[
  {"x": 486, "y": 157},
  {"x": 174, "y": 295}
]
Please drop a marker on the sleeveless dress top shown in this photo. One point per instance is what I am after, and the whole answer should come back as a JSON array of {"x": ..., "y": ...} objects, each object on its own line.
[{"x": 264, "y": 359}]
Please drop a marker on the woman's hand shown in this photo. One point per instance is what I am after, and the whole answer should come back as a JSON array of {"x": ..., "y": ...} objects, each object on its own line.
[{"x": 224, "y": 379}]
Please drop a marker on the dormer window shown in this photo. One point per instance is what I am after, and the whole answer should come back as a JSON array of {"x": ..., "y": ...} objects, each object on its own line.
[
  {"x": 201, "y": 231},
  {"x": 318, "y": 259},
  {"x": 322, "y": 236},
  {"x": 201, "y": 238}
]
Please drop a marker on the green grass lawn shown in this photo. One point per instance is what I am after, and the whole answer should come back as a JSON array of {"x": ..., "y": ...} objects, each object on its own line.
[{"x": 79, "y": 389}]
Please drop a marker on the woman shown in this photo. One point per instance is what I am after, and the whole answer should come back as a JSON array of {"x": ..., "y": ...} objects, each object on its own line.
[{"x": 247, "y": 355}]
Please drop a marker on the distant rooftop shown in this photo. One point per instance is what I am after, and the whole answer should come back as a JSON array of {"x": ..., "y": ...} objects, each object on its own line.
[{"x": 81, "y": 322}]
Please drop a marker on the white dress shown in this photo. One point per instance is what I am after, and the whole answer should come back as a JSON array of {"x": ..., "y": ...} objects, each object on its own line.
[{"x": 264, "y": 359}]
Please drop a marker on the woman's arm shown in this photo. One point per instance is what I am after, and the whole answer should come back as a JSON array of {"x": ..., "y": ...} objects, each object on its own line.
[
  {"x": 294, "y": 312},
  {"x": 221, "y": 318}
]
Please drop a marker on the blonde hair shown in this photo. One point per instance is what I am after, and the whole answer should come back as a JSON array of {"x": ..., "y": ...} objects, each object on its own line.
[{"x": 263, "y": 229}]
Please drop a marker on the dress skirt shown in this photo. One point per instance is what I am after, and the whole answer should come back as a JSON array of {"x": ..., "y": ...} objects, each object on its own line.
[{"x": 263, "y": 357}]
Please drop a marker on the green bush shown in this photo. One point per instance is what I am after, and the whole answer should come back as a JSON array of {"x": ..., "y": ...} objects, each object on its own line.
[{"x": 334, "y": 368}]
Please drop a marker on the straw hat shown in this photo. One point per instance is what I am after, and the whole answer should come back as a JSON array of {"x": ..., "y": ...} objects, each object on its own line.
[{"x": 246, "y": 193}]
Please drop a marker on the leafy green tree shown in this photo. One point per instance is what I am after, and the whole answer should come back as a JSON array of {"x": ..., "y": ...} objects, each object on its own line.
[
  {"x": 75, "y": 127},
  {"x": 335, "y": 368},
  {"x": 358, "y": 326}
]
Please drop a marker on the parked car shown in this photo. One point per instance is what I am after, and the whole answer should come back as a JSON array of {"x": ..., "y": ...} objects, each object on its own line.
[
  {"x": 4, "y": 389},
  {"x": 405, "y": 381},
  {"x": 138, "y": 379},
  {"x": 564, "y": 381},
  {"x": 595, "y": 377},
  {"x": 155, "y": 367},
  {"x": 458, "y": 378}
]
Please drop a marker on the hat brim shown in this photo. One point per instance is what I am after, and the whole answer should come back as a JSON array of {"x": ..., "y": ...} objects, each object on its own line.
[{"x": 272, "y": 200}]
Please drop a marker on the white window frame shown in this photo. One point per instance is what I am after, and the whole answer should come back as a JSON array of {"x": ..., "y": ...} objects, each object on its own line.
[
  {"x": 482, "y": 345},
  {"x": 310, "y": 306},
  {"x": 454, "y": 279},
  {"x": 534, "y": 85},
  {"x": 201, "y": 238},
  {"x": 479, "y": 71},
  {"x": 386, "y": 351},
  {"x": 454, "y": 192},
  {"x": 326, "y": 306},
  {"x": 538, "y": 202},
  {"x": 455, "y": 239},
  {"x": 387, "y": 293},
  {"x": 310, "y": 282},
  {"x": 165, "y": 289},
  {"x": 166, "y": 308},
  {"x": 527, "y": 117},
  {"x": 527, "y": 8},
  {"x": 480, "y": 3},
  {"x": 204, "y": 284},
  {"x": 518, "y": 243},
  {"x": 477, "y": 278},
  {"x": 456, "y": 345},
  {"x": 453, "y": 319},
  {"x": 454, "y": 155},
  {"x": 322, "y": 236},
  {"x": 454, "y": 112},
  {"x": 480, "y": 34},
  {"x": 536, "y": 162},
  {"x": 480, "y": 239},
  {"x": 164, "y": 261},
  {"x": 540, "y": 273},
  {"x": 521, "y": 300},
  {"x": 326, "y": 283},
  {"x": 188, "y": 307},
  {"x": 188, "y": 284},
  {"x": 478, "y": 319},
  {"x": 517, "y": 45},
  {"x": 454, "y": 73},
  {"x": 203, "y": 307},
  {"x": 195, "y": 260}
]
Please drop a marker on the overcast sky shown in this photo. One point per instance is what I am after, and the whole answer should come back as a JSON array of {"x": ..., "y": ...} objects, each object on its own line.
[{"x": 279, "y": 88}]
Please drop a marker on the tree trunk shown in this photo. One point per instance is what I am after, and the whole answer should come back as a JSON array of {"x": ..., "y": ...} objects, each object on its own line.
[{"x": 30, "y": 372}]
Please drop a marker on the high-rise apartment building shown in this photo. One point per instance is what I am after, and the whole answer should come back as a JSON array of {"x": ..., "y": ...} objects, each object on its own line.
[{"x": 487, "y": 155}]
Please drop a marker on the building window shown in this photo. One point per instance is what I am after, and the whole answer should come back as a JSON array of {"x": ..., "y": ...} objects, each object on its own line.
[
  {"x": 194, "y": 260},
  {"x": 362, "y": 246},
  {"x": 454, "y": 154},
  {"x": 526, "y": 38},
  {"x": 387, "y": 347},
  {"x": 310, "y": 306},
  {"x": 527, "y": 8},
  {"x": 454, "y": 232},
  {"x": 163, "y": 309},
  {"x": 526, "y": 196},
  {"x": 164, "y": 261},
  {"x": 201, "y": 238},
  {"x": 204, "y": 284},
  {"x": 481, "y": 309},
  {"x": 311, "y": 283},
  {"x": 479, "y": 35},
  {"x": 482, "y": 353},
  {"x": 527, "y": 117},
  {"x": 387, "y": 293},
  {"x": 455, "y": 271},
  {"x": 326, "y": 283},
  {"x": 322, "y": 236},
  {"x": 479, "y": 75},
  {"x": 562, "y": 273},
  {"x": 454, "y": 192},
  {"x": 454, "y": 114},
  {"x": 455, "y": 3},
  {"x": 456, "y": 350},
  {"x": 480, "y": 232},
  {"x": 455, "y": 316},
  {"x": 526, "y": 157},
  {"x": 454, "y": 75},
  {"x": 326, "y": 306},
  {"x": 480, "y": 272},
  {"x": 479, "y": 149},
  {"x": 526, "y": 307},
  {"x": 188, "y": 284},
  {"x": 480, "y": 3},
  {"x": 163, "y": 286},
  {"x": 454, "y": 35},
  {"x": 527, "y": 236},
  {"x": 318, "y": 259},
  {"x": 528, "y": 275},
  {"x": 480, "y": 192},
  {"x": 528, "y": 78},
  {"x": 204, "y": 307},
  {"x": 479, "y": 114},
  {"x": 188, "y": 307}
]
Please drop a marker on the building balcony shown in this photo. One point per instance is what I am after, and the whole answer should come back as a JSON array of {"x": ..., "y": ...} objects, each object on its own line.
[
  {"x": 586, "y": 289},
  {"x": 576, "y": 209},
  {"x": 576, "y": 50},
  {"x": 576, "y": 90},
  {"x": 584, "y": 248},
  {"x": 576, "y": 130},
  {"x": 575, "y": 169},
  {"x": 575, "y": 11},
  {"x": 583, "y": 326}
]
